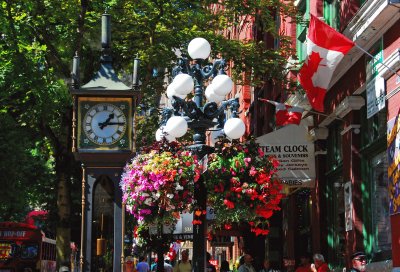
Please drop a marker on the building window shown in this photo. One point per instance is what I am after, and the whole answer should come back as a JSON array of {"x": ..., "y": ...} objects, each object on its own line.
[
  {"x": 380, "y": 221},
  {"x": 331, "y": 13},
  {"x": 301, "y": 29},
  {"x": 374, "y": 128}
]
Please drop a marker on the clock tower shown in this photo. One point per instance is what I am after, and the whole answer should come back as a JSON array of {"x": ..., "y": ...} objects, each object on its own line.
[{"x": 102, "y": 140}]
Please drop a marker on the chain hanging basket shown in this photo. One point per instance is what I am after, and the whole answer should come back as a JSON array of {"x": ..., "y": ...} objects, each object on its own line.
[
  {"x": 158, "y": 183},
  {"x": 242, "y": 185}
]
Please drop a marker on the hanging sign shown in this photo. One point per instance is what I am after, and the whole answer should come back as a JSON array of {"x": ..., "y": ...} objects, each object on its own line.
[
  {"x": 295, "y": 153},
  {"x": 348, "y": 206}
]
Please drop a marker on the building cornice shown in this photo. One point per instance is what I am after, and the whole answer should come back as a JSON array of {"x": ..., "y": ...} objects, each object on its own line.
[
  {"x": 319, "y": 133},
  {"x": 368, "y": 25},
  {"x": 349, "y": 104}
]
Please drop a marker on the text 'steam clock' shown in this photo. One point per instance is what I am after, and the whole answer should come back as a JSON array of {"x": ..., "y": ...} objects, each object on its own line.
[{"x": 104, "y": 123}]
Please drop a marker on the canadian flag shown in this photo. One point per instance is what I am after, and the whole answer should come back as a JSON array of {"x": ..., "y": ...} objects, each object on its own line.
[
  {"x": 285, "y": 114},
  {"x": 325, "y": 49}
]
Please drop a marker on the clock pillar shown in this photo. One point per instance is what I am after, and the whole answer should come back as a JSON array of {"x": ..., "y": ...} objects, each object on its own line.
[{"x": 102, "y": 140}]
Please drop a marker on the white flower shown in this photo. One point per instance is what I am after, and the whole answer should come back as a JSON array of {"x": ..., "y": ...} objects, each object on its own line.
[{"x": 148, "y": 201}]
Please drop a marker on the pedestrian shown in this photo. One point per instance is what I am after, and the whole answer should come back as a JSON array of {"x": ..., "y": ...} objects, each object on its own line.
[
  {"x": 153, "y": 266},
  {"x": 142, "y": 265},
  {"x": 266, "y": 267},
  {"x": 319, "y": 264},
  {"x": 224, "y": 266},
  {"x": 305, "y": 265},
  {"x": 184, "y": 264},
  {"x": 167, "y": 266},
  {"x": 209, "y": 266},
  {"x": 247, "y": 265},
  {"x": 358, "y": 262}
]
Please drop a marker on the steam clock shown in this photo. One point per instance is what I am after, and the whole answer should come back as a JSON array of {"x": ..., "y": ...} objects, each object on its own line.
[{"x": 102, "y": 140}]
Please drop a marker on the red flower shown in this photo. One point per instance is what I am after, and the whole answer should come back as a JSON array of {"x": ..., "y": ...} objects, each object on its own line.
[
  {"x": 259, "y": 231},
  {"x": 264, "y": 212},
  {"x": 275, "y": 162},
  {"x": 229, "y": 204},
  {"x": 196, "y": 222},
  {"x": 227, "y": 226}
]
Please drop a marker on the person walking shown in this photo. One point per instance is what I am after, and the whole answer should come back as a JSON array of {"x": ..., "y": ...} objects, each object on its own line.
[
  {"x": 358, "y": 262},
  {"x": 247, "y": 266},
  {"x": 305, "y": 265},
  {"x": 209, "y": 266},
  {"x": 184, "y": 264},
  {"x": 266, "y": 267},
  {"x": 224, "y": 266},
  {"x": 319, "y": 264},
  {"x": 142, "y": 265}
]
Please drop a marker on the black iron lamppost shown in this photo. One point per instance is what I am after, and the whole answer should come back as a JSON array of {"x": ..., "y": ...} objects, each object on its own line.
[{"x": 200, "y": 117}]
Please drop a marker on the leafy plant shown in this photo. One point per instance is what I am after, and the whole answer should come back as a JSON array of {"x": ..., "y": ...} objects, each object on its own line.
[
  {"x": 158, "y": 184},
  {"x": 242, "y": 185}
]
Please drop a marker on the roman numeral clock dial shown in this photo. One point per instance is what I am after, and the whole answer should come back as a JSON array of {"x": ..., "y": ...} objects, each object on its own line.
[{"x": 104, "y": 124}]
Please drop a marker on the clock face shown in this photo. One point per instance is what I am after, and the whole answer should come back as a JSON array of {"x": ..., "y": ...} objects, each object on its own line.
[{"x": 104, "y": 124}]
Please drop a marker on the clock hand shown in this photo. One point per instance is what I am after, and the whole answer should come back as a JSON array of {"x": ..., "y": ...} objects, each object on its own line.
[
  {"x": 116, "y": 123},
  {"x": 107, "y": 121}
]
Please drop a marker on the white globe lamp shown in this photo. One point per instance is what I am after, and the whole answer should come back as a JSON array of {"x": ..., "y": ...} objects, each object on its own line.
[
  {"x": 212, "y": 96},
  {"x": 176, "y": 126},
  {"x": 199, "y": 48},
  {"x": 172, "y": 92},
  {"x": 223, "y": 85},
  {"x": 183, "y": 84},
  {"x": 234, "y": 128},
  {"x": 161, "y": 133}
]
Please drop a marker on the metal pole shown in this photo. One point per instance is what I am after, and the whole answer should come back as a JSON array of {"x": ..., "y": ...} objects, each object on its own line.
[
  {"x": 200, "y": 192},
  {"x": 81, "y": 259},
  {"x": 123, "y": 238}
]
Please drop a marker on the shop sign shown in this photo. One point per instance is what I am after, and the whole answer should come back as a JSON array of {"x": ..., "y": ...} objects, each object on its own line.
[
  {"x": 375, "y": 84},
  {"x": 348, "y": 206},
  {"x": 295, "y": 153},
  {"x": 289, "y": 262},
  {"x": 376, "y": 99}
]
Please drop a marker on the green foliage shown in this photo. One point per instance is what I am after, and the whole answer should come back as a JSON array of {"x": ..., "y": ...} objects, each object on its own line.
[
  {"x": 38, "y": 40},
  {"x": 25, "y": 172}
]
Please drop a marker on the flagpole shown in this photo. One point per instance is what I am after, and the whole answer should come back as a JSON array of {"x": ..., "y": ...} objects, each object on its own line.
[
  {"x": 381, "y": 62},
  {"x": 310, "y": 111},
  {"x": 378, "y": 60},
  {"x": 323, "y": 114}
]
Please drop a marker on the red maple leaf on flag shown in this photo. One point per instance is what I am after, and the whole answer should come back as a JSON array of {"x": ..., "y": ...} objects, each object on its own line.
[{"x": 309, "y": 68}]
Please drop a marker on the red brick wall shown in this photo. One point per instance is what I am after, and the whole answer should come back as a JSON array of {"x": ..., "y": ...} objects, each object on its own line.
[
  {"x": 347, "y": 10},
  {"x": 391, "y": 43}
]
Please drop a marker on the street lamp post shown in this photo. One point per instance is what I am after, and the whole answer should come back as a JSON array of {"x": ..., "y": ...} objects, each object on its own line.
[{"x": 200, "y": 117}]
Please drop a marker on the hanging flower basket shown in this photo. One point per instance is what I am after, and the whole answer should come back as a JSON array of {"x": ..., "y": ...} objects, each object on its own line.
[
  {"x": 158, "y": 184},
  {"x": 242, "y": 185}
]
